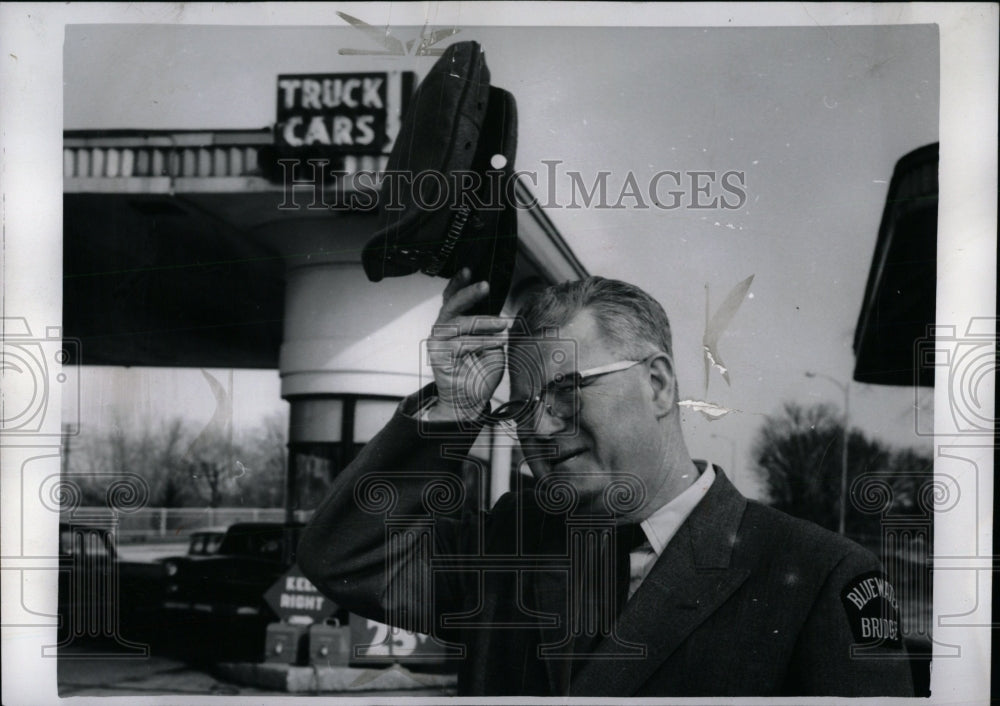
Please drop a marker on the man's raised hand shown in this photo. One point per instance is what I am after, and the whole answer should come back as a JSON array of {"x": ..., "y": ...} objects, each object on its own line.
[{"x": 466, "y": 352}]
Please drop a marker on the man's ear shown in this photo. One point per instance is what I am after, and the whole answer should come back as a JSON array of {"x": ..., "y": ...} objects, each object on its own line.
[{"x": 663, "y": 384}]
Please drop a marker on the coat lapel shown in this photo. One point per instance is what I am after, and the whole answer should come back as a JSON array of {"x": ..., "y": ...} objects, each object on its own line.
[
  {"x": 550, "y": 590},
  {"x": 551, "y": 599},
  {"x": 689, "y": 581}
]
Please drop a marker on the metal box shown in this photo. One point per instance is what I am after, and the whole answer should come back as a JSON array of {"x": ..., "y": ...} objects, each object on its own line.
[
  {"x": 286, "y": 643},
  {"x": 329, "y": 645}
]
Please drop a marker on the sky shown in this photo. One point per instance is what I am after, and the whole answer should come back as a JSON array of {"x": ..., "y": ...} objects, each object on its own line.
[{"x": 812, "y": 118}]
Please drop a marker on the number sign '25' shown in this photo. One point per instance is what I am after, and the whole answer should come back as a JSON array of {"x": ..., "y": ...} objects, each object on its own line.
[{"x": 374, "y": 642}]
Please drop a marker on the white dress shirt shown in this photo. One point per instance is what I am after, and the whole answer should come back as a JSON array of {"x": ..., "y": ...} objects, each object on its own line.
[{"x": 662, "y": 525}]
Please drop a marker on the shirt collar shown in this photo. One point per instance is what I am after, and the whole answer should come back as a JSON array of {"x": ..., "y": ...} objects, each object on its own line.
[{"x": 662, "y": 525}]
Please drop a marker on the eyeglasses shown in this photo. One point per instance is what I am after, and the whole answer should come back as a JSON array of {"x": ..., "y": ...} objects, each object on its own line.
[{"x": 560, "y": 397}]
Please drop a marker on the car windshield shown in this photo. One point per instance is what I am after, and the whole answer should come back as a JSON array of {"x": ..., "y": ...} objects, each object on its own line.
[
  {"x": 212, "y": 543},
  {"x": 253, "y": 541}
]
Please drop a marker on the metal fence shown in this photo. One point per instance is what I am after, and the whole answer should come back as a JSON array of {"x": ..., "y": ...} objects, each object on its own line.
[{"x": 176, "y": 523}]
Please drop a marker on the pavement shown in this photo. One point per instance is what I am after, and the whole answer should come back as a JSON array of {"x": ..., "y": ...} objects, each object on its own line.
[
  {"x": 85, "y": 670},
  {"x": 79, "y": 675},
  {"x": 339, "y": 679}
]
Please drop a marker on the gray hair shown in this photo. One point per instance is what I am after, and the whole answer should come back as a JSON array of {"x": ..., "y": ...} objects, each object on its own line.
[{"x": 632, "y": 321}]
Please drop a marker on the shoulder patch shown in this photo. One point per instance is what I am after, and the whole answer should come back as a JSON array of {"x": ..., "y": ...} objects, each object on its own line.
[{"x": 872, "y": 609}]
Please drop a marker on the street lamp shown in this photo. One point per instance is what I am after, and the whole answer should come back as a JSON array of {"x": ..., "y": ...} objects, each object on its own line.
[
  {"x": 732, "y": 447},
  {"x": 846, "y": 388}
]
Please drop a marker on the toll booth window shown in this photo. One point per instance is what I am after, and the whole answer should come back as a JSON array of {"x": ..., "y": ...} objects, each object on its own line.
[
  {"x": 328, "y": 433},
  {"x": 314, "y": 467},
  {"x": 315, "y": 448},
  {"x": 370, "y": 415}
]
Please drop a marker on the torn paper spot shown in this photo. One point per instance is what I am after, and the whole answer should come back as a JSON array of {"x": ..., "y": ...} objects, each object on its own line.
[
  {"x": 709, "y": 410},
  {"x": 717, "y": 324},
  {"x": 711, "y": 359}
]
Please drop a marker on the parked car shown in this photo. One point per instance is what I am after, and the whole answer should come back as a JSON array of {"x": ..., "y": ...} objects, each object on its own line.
[
  {"x": 213, "y": 595},
  {"x": 100, "y": 596},
  {"x": 206, "y": 542}
]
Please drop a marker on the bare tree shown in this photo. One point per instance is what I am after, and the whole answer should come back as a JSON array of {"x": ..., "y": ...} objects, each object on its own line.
[
  {"x": 184, "y": 469},
  {"x": 211, "y": 465},
  {"x": 261, "y": 475},
  {"x": 168, "y": 481},
  {"x": 798, "y": 456}
]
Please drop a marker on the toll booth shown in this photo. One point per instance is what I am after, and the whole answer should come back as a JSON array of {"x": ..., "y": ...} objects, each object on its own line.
[
  {"x": 184, "y": 249},
  {"x": 242, "y": 249},
  {"x": 179, "y": 250}
]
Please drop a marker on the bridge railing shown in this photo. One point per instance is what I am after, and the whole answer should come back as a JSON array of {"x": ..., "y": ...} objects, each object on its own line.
[{"x": 177, "y": 523}]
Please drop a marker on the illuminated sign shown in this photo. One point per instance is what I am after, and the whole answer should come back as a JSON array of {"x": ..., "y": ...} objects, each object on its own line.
[{"x": 340, "y": 114}]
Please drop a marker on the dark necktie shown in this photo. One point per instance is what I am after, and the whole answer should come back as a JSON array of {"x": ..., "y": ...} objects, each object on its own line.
[{"x": 627, "y": 539}]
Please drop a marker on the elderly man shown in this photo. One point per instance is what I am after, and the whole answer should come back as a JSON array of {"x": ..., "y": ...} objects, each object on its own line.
[{"x": 630, "y": 570}]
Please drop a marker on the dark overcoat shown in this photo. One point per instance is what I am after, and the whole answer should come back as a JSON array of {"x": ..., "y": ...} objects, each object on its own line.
[{"x": 744, "y": 600}]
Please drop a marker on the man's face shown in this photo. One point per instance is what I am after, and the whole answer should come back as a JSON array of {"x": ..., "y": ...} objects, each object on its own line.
[{"x": 616, "y": 431}]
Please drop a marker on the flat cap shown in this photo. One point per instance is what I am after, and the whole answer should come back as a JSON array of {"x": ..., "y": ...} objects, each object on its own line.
[{"x": 444, "y": 201}]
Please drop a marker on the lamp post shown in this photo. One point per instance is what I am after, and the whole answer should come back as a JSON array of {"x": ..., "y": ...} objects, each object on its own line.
[
  {"x": 846, "y": 388},
  {"x": 732, "y": 447}
]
